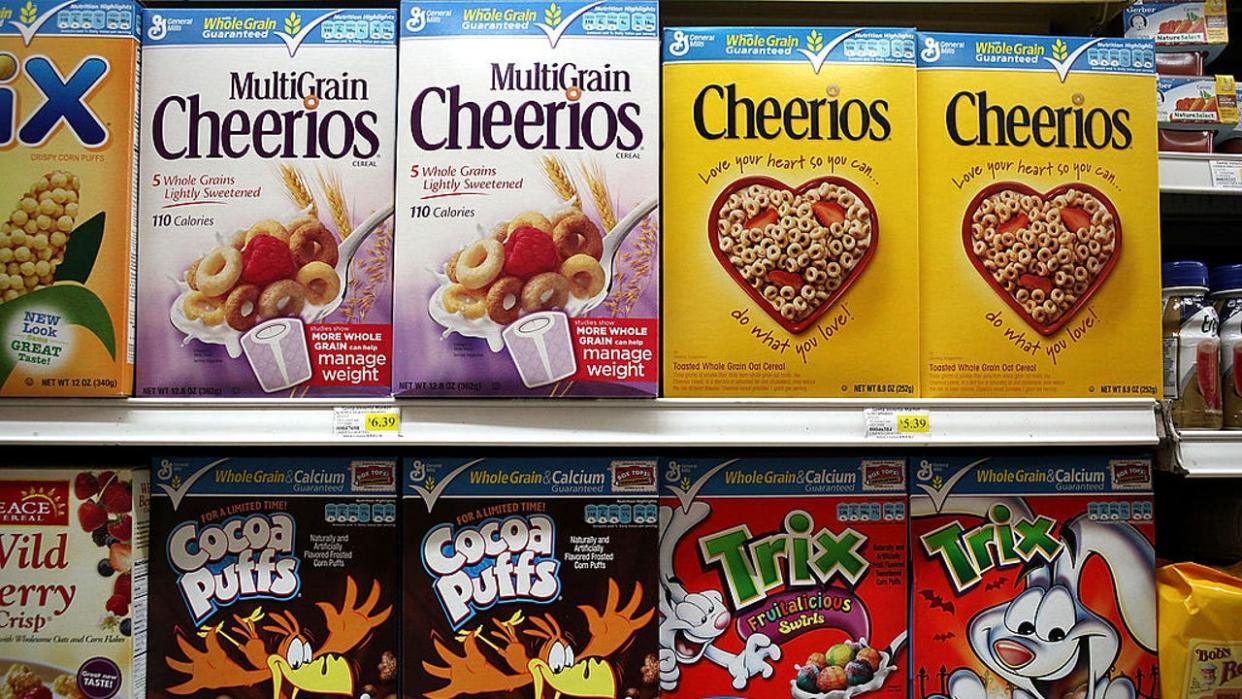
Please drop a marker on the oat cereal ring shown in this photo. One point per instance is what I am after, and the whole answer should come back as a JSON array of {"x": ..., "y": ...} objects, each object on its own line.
[
  {"x": 530, "y": 219},
  {"x": 480, "y": 263},
  {"x": 199, "y": 306},
  {"x": 450, "y": 267},
  {"x": 241, "y": 308},
  {"x": 282, "y": 299},
  {"x": 504, "y": 300},
  {"x": 312, "y": 242},
  {"x": 576, "y": 234},
  {"x": 585, "y": 275},
  {"x": 218, "y": 271},
  {"x": 190, "y": 274},
  {"x": 268, "y": 227},
  {"x": 321, "y": 282},
  {"x": 469, "y": 302},
  {"x": 544, "y": 291}
]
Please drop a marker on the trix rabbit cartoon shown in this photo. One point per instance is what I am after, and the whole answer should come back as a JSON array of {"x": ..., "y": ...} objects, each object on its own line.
[
  {"x": 783, "y": 577},
  {"x": 273, "y": 572},
  {"x": 525, "y": 575},
  {"x": 1033, "y": 578}
]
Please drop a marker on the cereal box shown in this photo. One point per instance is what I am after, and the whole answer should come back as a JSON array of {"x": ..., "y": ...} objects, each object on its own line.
[
  {"x": 73, "y": 558},
  {"x": 266, "y": 190},
  {"x": 527, "y": 248},
  {"x": 1035, "y": 154},
  {"x": 794, "y": 242},
  {"x": 275, "y": 577},
  {"x": 530, "y": 577},
  {"x": 1180, "y": 26},
  {"x": 1033, "y": 576},
  {"x": 783, "y": 577},
  {"x": 68, "y": 100}
]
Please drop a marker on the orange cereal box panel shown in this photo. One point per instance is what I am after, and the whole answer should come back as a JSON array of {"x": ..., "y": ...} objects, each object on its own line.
[
  {"x": 67, "y": 104},
  {"x": 1038, "y": 208},
  {"x": 73, "y": 557},
  {"x": 793, "y": 244}
]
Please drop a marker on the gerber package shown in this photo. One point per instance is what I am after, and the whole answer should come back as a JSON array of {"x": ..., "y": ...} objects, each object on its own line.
[
  {"x": 266, "y": 190},
  {"x": 1034, "y": 576},
  {"x": 1197, "y": 102},
  {"x": 1180, "y": 26},
  {"x": 530, "y": 577},
  {"x": 1034, "y": 154},
  {"x": 275, "y": 577},
  {"x": 73, "y": 557},
  {"x": 783, "y": 577},
  {"x": 527, "y": 243},
  {"x": 793, "y": 242},
  {"x": 68, "y": 105}
]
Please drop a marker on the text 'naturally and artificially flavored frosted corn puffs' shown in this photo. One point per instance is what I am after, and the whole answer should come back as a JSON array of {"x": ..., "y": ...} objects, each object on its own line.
[
  {"x": 266, "y": 192},
  {"x": 68, "y": 100},
  {"x": 790, "y": 223},
  {"x": 1038, "y": 216}
]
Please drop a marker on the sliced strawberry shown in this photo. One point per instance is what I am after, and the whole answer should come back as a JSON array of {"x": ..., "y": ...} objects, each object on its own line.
[
  {"x": 1034, "y": 281},
  {"x": 763, "y": 219},
  {"x": 1075, "y": 219},
  {"x": 780, "y": 277},
  {"x": 1014, "y": 224},
  {"x": 91, "y": 516},
  {"x": 120, "y": 557},
  {"x": 122, "y": 529},
  {"x": 123, "y": 586},
  {"x": 828, "y": 213},
  {"x": 85, "y": 486},
  {"x": 117, "y": 497},
  {"x": 118, "y": 605}
]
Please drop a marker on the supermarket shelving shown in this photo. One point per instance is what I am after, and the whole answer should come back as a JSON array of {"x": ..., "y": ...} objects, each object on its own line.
[
  {"x": 1207, "y": 453},
  {"x": 1192, "y": 173}
]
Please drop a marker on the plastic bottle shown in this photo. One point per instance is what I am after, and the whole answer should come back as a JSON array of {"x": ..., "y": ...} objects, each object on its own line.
[
  {"x": 1191, "y": 347},
  {"x": 1227, "y": 297}
]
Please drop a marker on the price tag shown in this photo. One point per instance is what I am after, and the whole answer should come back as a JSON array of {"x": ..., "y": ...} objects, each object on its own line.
[
  {"x": 1226, "y": 174},
  {"x": 366, "y": 422},
  {"x": 893, "y": 424}
]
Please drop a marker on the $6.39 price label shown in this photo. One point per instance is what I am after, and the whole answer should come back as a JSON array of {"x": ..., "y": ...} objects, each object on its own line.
[
  {"x": 366, "y": 422},
  {"x": 893, "y": 424}
]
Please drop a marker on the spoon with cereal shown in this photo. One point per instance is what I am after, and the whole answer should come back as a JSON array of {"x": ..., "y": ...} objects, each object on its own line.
[
  {"x": 612, "y": 245},
  {"x": 348, "y": 248}
]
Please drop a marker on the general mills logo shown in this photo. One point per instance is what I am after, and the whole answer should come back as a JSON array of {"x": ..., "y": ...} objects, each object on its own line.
[
  {"x": 158, "y": 29},
  {"x": 680, "y": 45},
  {"x": 931, "y": 50},
  {"x": 417, "y": 20}
]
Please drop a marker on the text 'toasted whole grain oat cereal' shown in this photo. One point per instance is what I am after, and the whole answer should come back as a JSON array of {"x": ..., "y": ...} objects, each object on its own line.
[
  {"x": 527, "y": 255},
  {"x": 67, "y": 103},
  {"x": 791, "y": 226},
  {"x": 1038, "y": 207},
  {"x": 266, "y": 190}
]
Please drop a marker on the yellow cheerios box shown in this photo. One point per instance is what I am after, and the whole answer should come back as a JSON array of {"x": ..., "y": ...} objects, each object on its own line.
[
  {"x": 1039, "y": 217},
  {"x": 67, "y": 107},
  {"x": 790, "y": 226}
]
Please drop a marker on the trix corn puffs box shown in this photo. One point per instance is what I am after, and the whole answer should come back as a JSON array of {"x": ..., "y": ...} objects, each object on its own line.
[
  {"x": 530, "y": 577},
  {"x": 73, "y": 560},
  {"x": 1034, "y": 577},
  {"x": 275, "y": 578},
  {"x": 783, "y": 577}
]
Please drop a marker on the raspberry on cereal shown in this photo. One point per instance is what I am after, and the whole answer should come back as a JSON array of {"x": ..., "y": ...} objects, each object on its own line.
[
  {"x": 528, "y": 252},
  {"x": 266, "y": 259}
]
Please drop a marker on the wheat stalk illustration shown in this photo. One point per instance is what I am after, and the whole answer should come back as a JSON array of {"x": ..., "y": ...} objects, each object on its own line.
[
  {"x": 330, "y": 184},
  {"x": 558, "y": 178},
  {"x": 296, "y": 189},
  {"x": 598, "y": 186}
]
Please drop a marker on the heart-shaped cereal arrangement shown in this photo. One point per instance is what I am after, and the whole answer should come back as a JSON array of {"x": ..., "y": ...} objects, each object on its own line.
[
  {"x": 795, "y": 251},
  {"x": 1044, "y": 254}
]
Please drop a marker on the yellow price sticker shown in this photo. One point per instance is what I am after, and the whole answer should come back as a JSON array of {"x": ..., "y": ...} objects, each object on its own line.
[
  {"x": 913, "y": 423},
  {"x": 381, "y": 422}
]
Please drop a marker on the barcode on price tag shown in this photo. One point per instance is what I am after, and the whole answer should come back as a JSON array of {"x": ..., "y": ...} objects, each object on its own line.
[
  {"x": 366, "y": 422},
  {"x": 894, "y": 424}
]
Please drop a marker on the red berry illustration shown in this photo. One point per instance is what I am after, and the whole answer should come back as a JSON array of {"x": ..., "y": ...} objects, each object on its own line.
[
  {"x": 118, "y": 605},
  {"x": 123, "y": 586},
  {"x": 266, "y": 259},
  {"x": 91, "y": 516},
  {"x": 117, "y": 497},
  {"x": 530, "y": 251},
  {"x": 38, "y": 692},
  {"x": 122, "y": 529},
  {"x": 85, "y": 486}
]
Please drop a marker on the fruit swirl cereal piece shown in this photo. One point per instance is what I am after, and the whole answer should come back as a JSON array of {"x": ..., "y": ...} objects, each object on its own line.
[
  {"x": 218, "y": 271},
  {"x": 321, "y": 282},
  {"x": 585, "y": 275},
  {"x": 504, "y": 300},
  {"x": 576, "y": 234},
  {"x": 312, "y": 242},
  {"x": 471, "y": 303},
  {"x": 530, "y": 219},
  {"x": 544, "y": 291},
  {"x": 282, "y": 299},
  {"x": 480, "y": 263},
  {"x": 241, "y": 308}
]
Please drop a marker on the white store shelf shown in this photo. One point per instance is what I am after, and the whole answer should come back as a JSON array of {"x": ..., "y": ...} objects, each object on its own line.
[
  {"x": 1209, "y": 453},
  {"x": 1192, "y": 173},
  {"x": 632, "y": 424}
]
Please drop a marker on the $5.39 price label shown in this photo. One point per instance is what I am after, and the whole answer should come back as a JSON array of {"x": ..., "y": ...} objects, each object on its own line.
[
  {"x": 893, "y": 424},
  {"x": 366, "y": 422}
]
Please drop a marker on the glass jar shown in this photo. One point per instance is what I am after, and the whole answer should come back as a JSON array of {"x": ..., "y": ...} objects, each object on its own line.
[
  {"x": 1227, "y": 297},
  {"x": 1191, "y": 347}
]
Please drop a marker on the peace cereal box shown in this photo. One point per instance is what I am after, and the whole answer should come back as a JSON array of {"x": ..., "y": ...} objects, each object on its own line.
[
  {"x": 530, "y": 577},
  {"x": 274, "y": 578},
  {"x": 68, "y": 105},
  {"x": 73, "y": 558},
  {"x": 528, "y": 162},
  {"x": 266, "y": 189},
  {"x": 1033, "y": 576},
  {"x": 1038, "y": 208},
  {"x": 783, "y": 577},
  {"x": 788, "y": 156}
]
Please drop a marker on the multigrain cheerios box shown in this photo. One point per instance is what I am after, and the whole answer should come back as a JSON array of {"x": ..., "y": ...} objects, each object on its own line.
[
  {"x": 1040, "y": 242},
  {"x": 793, "y": 242},
  {"x": 527, "y": 253},
  {"x": 266, "y": 194},
  {"x": 68, "y": 99}
]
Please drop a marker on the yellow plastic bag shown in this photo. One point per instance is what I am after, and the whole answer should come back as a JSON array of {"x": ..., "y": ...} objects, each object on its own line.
[{"x": 1200, "y": 632}]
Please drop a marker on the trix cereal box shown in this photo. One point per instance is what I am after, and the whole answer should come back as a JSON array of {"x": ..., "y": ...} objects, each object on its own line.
[
  {"x": 274, "y": 578},
  {"x": 793, "y": 241},
  {"x": 1038, "y": 215},
  {"x": 68, "y": 101},
  {"x": 783, "y": 577},
  {"x": 530, "y": 577},
  {"x": 1033, "y": 577},
  {"x": 266, "y": 190},
  {"x": 528, "y": 161},
  {"x": 73, "y": 608}
]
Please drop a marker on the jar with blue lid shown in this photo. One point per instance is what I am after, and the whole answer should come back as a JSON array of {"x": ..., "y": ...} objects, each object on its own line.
[{"x": 1226, "y": 295}]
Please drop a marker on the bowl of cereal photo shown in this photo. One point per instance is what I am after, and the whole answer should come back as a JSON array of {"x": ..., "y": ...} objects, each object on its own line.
[
  {"x": 1044, "y": 253},
  {"x": 794, "y": 250},
  {"x": 30, "y": 680}
]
